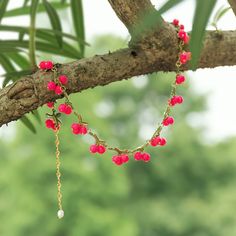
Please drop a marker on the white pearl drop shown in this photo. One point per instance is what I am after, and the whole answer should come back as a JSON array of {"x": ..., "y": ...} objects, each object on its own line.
[{"x": 60, "y": 214}]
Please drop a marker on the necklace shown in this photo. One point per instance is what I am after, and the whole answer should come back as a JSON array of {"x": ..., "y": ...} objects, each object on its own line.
[{"x": 80, "y": 127}]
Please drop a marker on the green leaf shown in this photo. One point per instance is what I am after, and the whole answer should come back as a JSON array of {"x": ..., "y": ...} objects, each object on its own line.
[
  {"x": 4, "y": 48},
  {"x": 26, "y": 10},
  {"x": 3, "y": 7},
  {"x": 21, "y": 35},
  {"x": 67, "y": 51},
  {"x": 36, "y": 114},
  {"x": 220, "y": 13},
  {"x": 201, "y": 16},
  {"x": 54, "y": 19},
  {"x": 7, "y": 66},
  {"x": 25, "y": 3},
  {"x": 6, "y": 63},
  {"x": 168, "y": 5},
  {"x": 25, "y": 30},
  {"x": 27, "y": 122},
  {"x": 20, "y": 60},
  {"x": 78, "y": 21},
  {"x": 14, "y": 75},
  {"x": 49, "y": 38},
  {"x": 151, "y": 20},
  {"x": 69, "y": 36},
  {"x": 18, "y": 73},
  {"x": 33, "y": 10}
]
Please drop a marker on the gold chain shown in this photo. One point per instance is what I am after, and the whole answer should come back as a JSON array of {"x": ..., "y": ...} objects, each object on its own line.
[{"x": 58, "y": 173}]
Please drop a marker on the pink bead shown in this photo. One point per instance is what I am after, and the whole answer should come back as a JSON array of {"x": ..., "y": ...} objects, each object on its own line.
[
  {"x": 138, "y": 156},
  {"x": 173, "y": 101},
  {"x": 63, "y": 79},
  {"x": 185, "y": 57},
  {"x": 68, "y": 110},
  {"x": 83, "y": 129},
  {"x": 175, "y": 22},
  {"x": 58, "y": 90},
  {"x": 163, "y": 142},
  {"x": 186, "y": 39},
  {"x": 51, "y": 86},
  {"x": 49, "y": 123},
  {"x": 182, "y": 34},
  {"x": 117, "y": 160},
  {"x": 179, "y": 99},
  {"x": 48, "y": 65},
  {"x": 153, "y": 142},
  {"x": 125, "y": 158},
  {"x": 101, "y": 149},
  {"x": 42, "y": 65},
  {"x": 75, "y": 128},
  {"x": 146, "y": 157},
  {"x": 93, "y": 148},
  {"x": 180, "y": 79},
  {"x": 62, "y": 108},
  {"x": 75, "y": 131},
  {"x": 50, "y": 104}
]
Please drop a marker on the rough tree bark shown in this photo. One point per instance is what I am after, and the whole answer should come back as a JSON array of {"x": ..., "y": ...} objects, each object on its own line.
[
  {"x": 156, "y": 53},
  {"x": 233, "y": 5}
]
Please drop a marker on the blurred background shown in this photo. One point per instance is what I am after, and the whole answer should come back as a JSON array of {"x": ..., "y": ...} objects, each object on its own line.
[{"x": 187, "y": 189}]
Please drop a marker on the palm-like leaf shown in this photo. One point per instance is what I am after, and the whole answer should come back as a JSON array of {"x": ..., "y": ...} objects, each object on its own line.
[
  {"x": 78, "y": 22},
  {"x": 201, "y": 17}
]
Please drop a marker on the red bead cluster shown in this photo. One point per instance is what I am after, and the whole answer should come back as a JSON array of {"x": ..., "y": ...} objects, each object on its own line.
[
  {"x": 57, "y": 88},
  {"x": 120, "y": 159},
  {"x": 168, "y": 121},
  {"x": 52, "y": 86},
  {"x": 184, "y": 56},
  {"x": 142, "y": 156},
  {"x": 176, "y": 100},
  {"x": 46, "y": 65},
  {"x": 158, "y": 141},
  {"x": 65, "y": 108},
  {"x": 51, "y": 124},
  {"x": 79, "y": 128},
  {"x": 100, "y": 146},
  {"x": 181, "y": 33},
  {"x": 97, "y": 148}
]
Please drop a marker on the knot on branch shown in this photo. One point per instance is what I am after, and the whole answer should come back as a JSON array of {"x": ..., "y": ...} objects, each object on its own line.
[
  {"x": 24, "y": 91},
  {"x": 163, "y": 38}
]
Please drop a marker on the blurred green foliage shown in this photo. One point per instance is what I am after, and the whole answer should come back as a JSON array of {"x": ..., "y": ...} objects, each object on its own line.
[{"x": 187, "y": 189}]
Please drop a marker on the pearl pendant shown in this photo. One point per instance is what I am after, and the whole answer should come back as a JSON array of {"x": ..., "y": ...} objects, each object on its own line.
[{"x": 60, "y": 214}]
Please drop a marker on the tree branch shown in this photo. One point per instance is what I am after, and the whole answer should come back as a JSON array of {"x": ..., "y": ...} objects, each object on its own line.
[
  {"x": 30, "y": 92},
  {"x": 232, "y": 3},
  {"x": 157, "y": 51},
  {"x": 130, "y": 11}
]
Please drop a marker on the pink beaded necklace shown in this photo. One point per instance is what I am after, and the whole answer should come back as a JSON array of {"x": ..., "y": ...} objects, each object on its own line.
[{"x": 80, "y": 127}]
